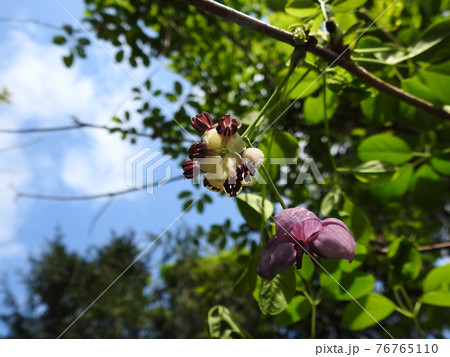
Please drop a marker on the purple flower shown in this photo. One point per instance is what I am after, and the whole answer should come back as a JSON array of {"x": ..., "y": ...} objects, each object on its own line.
[{"x": 299, "y": 230}]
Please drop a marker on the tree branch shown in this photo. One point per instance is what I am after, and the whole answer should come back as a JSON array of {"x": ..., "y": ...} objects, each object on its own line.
[
  {"x": 80, "y": 125},
  {"x": 38, "y": 196},
  {"x": 424, "y": 248},
  {"x": 278, "y": 34},
  {"x": 36, "y": 22}
]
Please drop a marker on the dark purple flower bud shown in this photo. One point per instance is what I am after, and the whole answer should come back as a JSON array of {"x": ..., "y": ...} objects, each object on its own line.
[
  {"x": 190, "y": 169},
  {"x": 299, "y": 230},
  {"x": 202, "y": 122},
  {"x": 227, "y": 126},
  {"x": 197, "y": 151}
]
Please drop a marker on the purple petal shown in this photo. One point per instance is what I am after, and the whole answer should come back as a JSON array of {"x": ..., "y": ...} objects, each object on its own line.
[
  {"x": 277, "y": 255},
  {"x": 304, "y": 230},
  {"x": 335, "y": 240},
  {"x": 289, "y": 217},
  {"x": 328, "y": 221}
]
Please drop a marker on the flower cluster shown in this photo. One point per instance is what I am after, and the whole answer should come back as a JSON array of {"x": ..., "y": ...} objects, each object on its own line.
[
  {"x": 299, "y": 230},
  {"x": 222, "y": 155}
]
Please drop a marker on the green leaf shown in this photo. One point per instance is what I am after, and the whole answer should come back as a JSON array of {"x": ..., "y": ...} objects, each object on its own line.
[
  {"x": 384, "y": 147},
  {"x": 437, "y": 279},
  {"x": 68, "y": 60},
  {"x": 347, "y": 5},
  {"x": 298, "y": 309},
  {"x": 178, "y": 88},
  {"x": 59, "y": 40},
  {"x": 275, "y": 295},
  {"x": 357, "y": 285},
  {"x": 314, "y": 109},
  {"x": 358, "y": 222},
  {"x": 346, "y": 266},
  {"x": 378, "y": 306},
  {"x": 395, "y": 188},
  {"x": 440, "y": 165},
  {"x": 307, "y": 270},
  {"x": 405, "y": 260},
  {"x": 116, "y": 120},
  {"x": 187, "y": 204},
  {"x": 331, "y": 201},
  {"x": 171, "y": 97},
  {"x": 432, "y": 36},
  {"x": 250, "y": 206},
  {"x": 436, "y": 298},
  {"x": 247, "y": 280},
  {"x": 119, "y": 56},
  {"x": 302, "y": 84},
  {"x": 222, "y": 325},
  {"x": 284, "y": 145},
  {"x": 438, "y": 84},
  {"x": 381, "y": 108},
  {"x": 184, "y": 194},
  {"x": 427, "y": 187},
  {"x": 375, "y": 171},
  {"x": 302, "y": 8}
]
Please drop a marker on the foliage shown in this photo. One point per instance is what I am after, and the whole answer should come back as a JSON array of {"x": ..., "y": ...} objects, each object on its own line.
[
  {"x": 385, "y": 163},
  {"x": 61, "y": 285}
]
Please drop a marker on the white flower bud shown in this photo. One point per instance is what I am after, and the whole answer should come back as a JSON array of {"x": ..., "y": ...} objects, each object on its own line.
[
  {"x": 254, "y": 155},
  {"x": 235, "y": 143},
  {"x": 213, "y": 140}
]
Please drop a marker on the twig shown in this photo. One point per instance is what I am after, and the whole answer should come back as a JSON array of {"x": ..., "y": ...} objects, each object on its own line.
[
  {"x": 278, "y": 34},
  {"x": 80, "y": 125},
  {"x": 424, "y": 248},
  {"x": 38, "y": 196},
  {"x": 21, "y": 146},
  {"x": 35, "y": 22},
  {"x": 100, "y": 212}
]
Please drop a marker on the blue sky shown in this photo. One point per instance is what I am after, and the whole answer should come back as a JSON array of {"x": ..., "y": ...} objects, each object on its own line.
[{"x": 45, "y": 93}]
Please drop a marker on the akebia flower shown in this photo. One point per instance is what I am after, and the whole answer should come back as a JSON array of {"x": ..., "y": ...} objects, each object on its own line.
[
  {"x": 198, "y": 151},
  {"x": 190, "y": 169},
  {"x": 227, "y": 125},
  {"x": 298, "y": 231},
  {"x": 202, "y": 122},
  {"x": 219, "y": 156}
]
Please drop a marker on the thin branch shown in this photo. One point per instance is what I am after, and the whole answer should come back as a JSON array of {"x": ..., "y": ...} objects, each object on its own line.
[
  {"x": 35, "y": 22},
  {"x": 21, "y": 146},
  {"x": 38, "y": 196},
  {"x": 80, "y": 125},
  {"x": 278, "y": 34},
  {"x": 424, "y": 248},
  {"x": 98, "y": 215}
]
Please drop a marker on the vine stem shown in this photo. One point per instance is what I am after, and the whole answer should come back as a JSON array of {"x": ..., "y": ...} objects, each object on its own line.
[
  {"x": 274, "y": 188},
  {"x": 313, "y": 320},
  {"x": 269, "y": 180},
  {"x": 295, "y": 60},
  {"x": 327, "y": 128},
  {"x": 278, "y": 34}
]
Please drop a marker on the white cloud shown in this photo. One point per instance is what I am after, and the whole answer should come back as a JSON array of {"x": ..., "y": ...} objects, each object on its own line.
[{"x": 45, "y": 93}]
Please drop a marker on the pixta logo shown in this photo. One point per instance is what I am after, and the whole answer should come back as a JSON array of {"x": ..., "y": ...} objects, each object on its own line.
[{"x": 141, "y": 169}]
